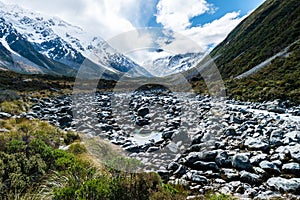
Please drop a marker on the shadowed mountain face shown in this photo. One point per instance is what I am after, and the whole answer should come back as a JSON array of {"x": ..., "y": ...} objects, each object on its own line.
[{"x": 34, "y": 43}]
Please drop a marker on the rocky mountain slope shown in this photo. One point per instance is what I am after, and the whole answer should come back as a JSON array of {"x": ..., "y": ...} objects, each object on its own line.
[{"x": 34, "y": 43}]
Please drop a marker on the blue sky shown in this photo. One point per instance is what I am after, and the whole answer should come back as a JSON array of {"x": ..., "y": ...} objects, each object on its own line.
[
  {"x": 221, "y": 8},
  {"x": 226, "y": 6}
]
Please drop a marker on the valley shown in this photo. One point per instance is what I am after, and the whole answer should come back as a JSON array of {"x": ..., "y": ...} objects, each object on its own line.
[{"x": 81, "y": 119}]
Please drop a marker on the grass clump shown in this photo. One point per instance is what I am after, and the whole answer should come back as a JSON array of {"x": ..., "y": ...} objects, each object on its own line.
[
  {"x": 14, "y": 107},
  {"x": 77, "y": 148}
]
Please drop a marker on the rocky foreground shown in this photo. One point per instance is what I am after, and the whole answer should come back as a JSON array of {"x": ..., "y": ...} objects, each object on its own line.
[{"x": 250, "y": 150}]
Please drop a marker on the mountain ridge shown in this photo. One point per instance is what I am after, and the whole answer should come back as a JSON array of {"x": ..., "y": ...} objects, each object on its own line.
[{"x": 53, "y": 45}]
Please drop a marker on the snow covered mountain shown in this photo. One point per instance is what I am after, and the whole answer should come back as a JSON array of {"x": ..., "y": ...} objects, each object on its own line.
[
  {"x": 173, "y": 64},
  {"x": 34, "y": 43}
]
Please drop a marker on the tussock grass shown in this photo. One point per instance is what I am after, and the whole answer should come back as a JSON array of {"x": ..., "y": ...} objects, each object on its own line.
[{"x": 14, "y": 107}]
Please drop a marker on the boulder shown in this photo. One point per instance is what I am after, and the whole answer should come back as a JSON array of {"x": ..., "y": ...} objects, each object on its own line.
[
  {"x": 250, "y": 177},
  {"x": 256, "y": 144},
  {"x": 255, "y": 160},
  {"x": 295, "y": 152},
  {"x": 229, "y": 174},
  {"x": 269, "y": 167},
  {"x": 173, "y": 166},
  {"x": 241, "y": 162},
  {"x": 143, "y": 111},
  {"x": 223, "y": 160},
  {"x": 276, "y": 138},
  {"x": 291, "y": 168},
  {"x": 203, "y": 166},
  {"x": 199, "y": 179},
  {"x": 293, "y": 136},
  {"x": 285, "y": 185},
  {"x": 5, "y": 115},
  {"x": 206, "y": 156}
]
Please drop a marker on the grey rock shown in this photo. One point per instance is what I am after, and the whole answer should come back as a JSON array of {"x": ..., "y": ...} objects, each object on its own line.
[
  {"x": 250, "y": 192},
  {"x": 241, "y": 162},
  {"x": 180, "y": 171},
  {"x": 267, "y": 195},
  {"x": 167, "y": 134},
  {"x": 269, "y": 167},
  {"x": 277, "y": 110},
  {"x": 5, "y": 115},
  {"x": 293, "y": 136},
  {"x": 255, "y": 160},
  {"x": 291, "y": 168},
  {"x": 200, "y": 165},
  {"x": 250, "y": 177},
  {"x": 259, "y": 171},
  {"x": 143, "y": 111},
  {"x": 276, "y": 138},
  {"x": 230, "y": 132},
  {"x": 173, "y": 166},
  {"x": 206, "y": 156},
  {"x": 285, "y": 185},
  {"x": 153, "y": 149},
  {"x": 133, "y": 149},
  {"x": 4, "y": 130},
  {"x": 278, "y": 163},
  {"x": 223, "y": 160},
  {"x": 219, "y": 181},
  {"x": 140, "y": 121},
  {"x": 229, "y": 174},
  {"x": 256, "y": 144},
  {"x": 199, "y": 179},
  {"x": 191, "y": 158},
  {"x": 295, "y": 152}
]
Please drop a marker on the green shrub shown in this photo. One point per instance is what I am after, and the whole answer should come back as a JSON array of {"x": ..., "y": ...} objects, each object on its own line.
[
  {"x": 63, "y": 159},
  {"x": 71, "y": 137},
  {"x": 77, "y": 148},
  {"x": 15, "y": 146}
]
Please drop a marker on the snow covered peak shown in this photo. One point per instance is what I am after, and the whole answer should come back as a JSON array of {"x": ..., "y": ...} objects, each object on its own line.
[
  {"x": 57, "y": 40},
  {"x": 173, "y": 64}
]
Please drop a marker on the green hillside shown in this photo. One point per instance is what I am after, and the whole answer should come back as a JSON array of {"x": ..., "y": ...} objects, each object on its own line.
[
  {"x": 267, "y": 31},
  {"x": 273, "y": 28}
]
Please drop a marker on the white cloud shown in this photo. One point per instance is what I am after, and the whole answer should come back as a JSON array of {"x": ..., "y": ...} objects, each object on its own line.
[
  {"x": 132, "y": 41},
  {"x": 176, "y": 14},
  {"x": 214, "y": 32},
  {"x": 103, "y": 17}
]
